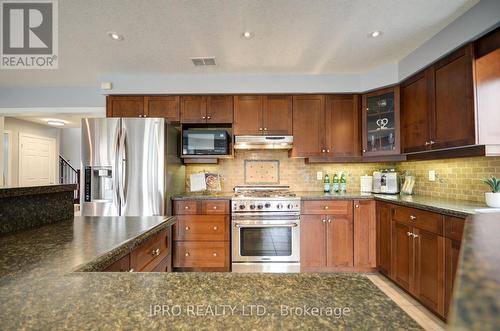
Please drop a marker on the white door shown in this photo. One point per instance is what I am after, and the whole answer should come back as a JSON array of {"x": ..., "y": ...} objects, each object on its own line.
[
  {"x": 7, "y": 158},
  {"x": 36, "y": 160}
]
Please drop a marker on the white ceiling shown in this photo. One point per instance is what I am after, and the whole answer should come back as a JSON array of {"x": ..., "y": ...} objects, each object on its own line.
[
  {"x": 291, "y": 37},
  {"x": 70, "y": 120}
]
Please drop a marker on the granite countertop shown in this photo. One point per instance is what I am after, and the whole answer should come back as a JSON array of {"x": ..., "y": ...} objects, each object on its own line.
[
  {"x": 40, "y": 288},
  {"x": 476, "y": 301},
  {"x": 15, "y": 191},
  {"x": 457, "y": 208}
]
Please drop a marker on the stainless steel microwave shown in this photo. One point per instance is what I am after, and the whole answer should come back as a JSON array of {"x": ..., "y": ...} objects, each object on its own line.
[{"x": 205, "y": 142}]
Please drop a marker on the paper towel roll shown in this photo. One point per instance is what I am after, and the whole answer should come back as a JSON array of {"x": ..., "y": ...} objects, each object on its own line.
[{"x": 366, "y": 183}]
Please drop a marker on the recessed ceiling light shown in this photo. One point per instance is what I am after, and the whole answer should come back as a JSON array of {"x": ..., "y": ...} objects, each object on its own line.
[
  {"x": 115, "y": 36},
  {"x": 247, "y": 34},
  {"x": 375, "y": 34},
  {"x": 56, "y": 122}
]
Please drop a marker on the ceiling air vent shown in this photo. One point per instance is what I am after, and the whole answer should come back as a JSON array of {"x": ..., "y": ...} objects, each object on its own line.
[{"x": 203, "y": 61}]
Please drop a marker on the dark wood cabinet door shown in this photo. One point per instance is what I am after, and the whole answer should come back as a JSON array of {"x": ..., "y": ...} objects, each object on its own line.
[
  {"x": 308, "y": 125},
  {"x": 312, "y": 241},
  {"x": 122, "y": 265},
  {"x": 452, "y": 251},
  {"x": 384, "y": 238},
  {"x": 402, "y": 255},
  {"x": 416, "y": 112},
  {"x": 220, "y": 109},
  {"x": 277, "y": 115},
  {"x": 248, "y": 115},
  {"x": 454, "y": 119},
  {"x": 429, "y": 269},
  {"x": 342, "y": 125},
  {"x": 365, "y": 246},
  {"x": 124, "y": 106},
  {"x": 193, "y": 109},
  {"x": 339, "y": 241},
  {"x": 167, "y": 107}
]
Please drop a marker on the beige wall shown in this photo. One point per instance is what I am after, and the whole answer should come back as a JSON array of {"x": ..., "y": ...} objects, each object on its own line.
[
  {"x": 457, "y": 178},
  {"x": 17, "y": 126}
]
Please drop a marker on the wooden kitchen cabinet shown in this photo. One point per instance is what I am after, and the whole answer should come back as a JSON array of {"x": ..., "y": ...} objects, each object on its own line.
[
  {"x": 122, "y": 265},
  {"x": 384, "y": 238},
  {"x": 453, "y": 228},
  {"x": 438, "y": 104},
  {"x": 402, "y": 255},
  {"x": 342, "y": 125},
  {"x": 167, "y": 107},
  {"x": 262, "y": 115},
  {"x": 220, "y": 109},
  {"x": 308, "y": 126},
  {"x": 326, "y": 239},
  {"x": 380, "y": 122},
  {"x": 193, "y": 109},
  {"x": 248, "y": 115},
  {"x": 202, "y": 235},
  {"x": 365, "y": 241},
  {"x": 124, "y": 106}
]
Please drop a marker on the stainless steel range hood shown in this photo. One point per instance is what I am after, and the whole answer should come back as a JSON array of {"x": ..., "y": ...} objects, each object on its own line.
[{"x": 263, "y": 142}]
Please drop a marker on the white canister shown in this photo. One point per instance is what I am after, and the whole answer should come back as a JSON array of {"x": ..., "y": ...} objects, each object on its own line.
[{"x": 366, "y": 183}]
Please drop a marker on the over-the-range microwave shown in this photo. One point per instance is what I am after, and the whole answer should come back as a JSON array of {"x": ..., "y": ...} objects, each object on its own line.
[{"x": 205, "y": 142}]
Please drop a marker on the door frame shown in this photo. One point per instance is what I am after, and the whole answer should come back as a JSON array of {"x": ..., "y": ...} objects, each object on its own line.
[
  {"x": 52, "y": 164},
  {"x": 8, "y": 181}
]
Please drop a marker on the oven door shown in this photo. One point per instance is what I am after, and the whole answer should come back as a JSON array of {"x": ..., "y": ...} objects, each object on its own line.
[{"x": 266, "y": 240}]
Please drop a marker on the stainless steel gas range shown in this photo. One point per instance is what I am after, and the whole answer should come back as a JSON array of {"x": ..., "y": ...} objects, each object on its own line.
[{"x": 265, "y": 229}]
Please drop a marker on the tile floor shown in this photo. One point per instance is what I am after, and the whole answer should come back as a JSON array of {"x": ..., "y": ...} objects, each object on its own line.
[{"x": 419, "y": 313}]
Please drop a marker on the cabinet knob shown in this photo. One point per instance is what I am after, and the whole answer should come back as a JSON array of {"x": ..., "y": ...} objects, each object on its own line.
[
  {"x": 328, "y": 151},
  {"x": 131, "y": 270},
  {"x": 260, "y": 129},
  {"x": 326, "y": 207},
  {"x": 412, "y": 217},
  {"x": 155, "y": 252},
  {"x": 187, "y": 254},
  {"x": 414, "y": 235},
  {"x": 323, "y": 150},
  {"x": 432, "y": 142},
  {"x": 409, "y": 234},
  {"x": 186, "y": 228},
  {"x": 215, "y": 207},
  {"x": 265, "y": 129},
  {"x": 209, "y": 117},
  {"x": 186, "y": 207},
  {"x": 214, "y": 254},
  {"x": 215, "y": 227},
  {"x": 357, "y": 206},
  {"x": 329, "y": 221},
  {"x": 204, "y": 117},
  {"x": 324, "y": 221},
  {"x": 364, "y": 150},
  {"x": 427, "y": 143}
]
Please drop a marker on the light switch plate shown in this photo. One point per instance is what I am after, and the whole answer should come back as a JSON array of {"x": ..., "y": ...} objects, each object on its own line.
[
  {"x": 432, "y": 175},
  {"x": 319, "y": 175}
]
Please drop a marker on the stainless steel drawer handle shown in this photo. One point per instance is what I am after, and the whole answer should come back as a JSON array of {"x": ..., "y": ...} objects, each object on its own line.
[
  {"x": 187, "y": 254},
  {"x": 284, "y": 225}
]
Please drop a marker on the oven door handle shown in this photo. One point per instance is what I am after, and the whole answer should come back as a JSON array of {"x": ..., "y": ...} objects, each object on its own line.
[{"x": 284, "y": 225}]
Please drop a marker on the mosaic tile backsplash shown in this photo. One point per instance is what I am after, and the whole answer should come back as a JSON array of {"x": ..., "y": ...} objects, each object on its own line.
[{"x": 455, "y": 178}]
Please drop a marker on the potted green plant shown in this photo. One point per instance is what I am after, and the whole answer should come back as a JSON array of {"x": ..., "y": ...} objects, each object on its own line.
[{"x": 493, "y": 197}]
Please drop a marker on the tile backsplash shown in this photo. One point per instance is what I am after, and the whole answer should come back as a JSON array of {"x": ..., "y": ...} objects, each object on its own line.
[{"x": 455, "y": 178}]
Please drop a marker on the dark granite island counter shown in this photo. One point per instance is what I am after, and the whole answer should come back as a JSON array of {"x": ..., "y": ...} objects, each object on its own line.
[
  {"x": 23, "y": 207},
  {"x": 40, "y": 288}
]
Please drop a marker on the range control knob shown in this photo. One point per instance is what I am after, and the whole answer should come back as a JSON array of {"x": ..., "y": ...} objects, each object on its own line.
[
  {"x": 267, "y": 205},
  {"x": 279, "y": 206},
  {"x": 290, "y": 206},
  {"x": 242, "y": 206},
  {"x": 259, "y": 206},
  {"x": 252, "y": 206}
]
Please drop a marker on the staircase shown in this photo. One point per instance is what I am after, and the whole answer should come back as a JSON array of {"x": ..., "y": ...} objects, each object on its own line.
[{"x": 69, "y": 175}]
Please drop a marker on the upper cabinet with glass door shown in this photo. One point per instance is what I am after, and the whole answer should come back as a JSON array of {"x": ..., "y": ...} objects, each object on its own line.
[{"x": 381, "y": 122}]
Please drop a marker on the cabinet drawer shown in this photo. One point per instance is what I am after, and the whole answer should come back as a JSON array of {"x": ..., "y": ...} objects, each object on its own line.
[
  {"x": 220, "y": 207},
  {"x": 201, "y": 254},
  {"x": 326, "y": 207},
  {"x": 202, "y": 228},
  {"x": 152, "y": 251},
  {"x": 164, "y": 266},
  {"x": 424, "y": 220},
  {"x": 454, "y": 227},
  {"x": 186, "y": 207},
  {"x": 122, "y": 265}
]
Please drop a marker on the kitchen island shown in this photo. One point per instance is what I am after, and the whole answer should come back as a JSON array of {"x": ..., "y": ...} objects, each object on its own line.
[{"x": 41, "y": 288}]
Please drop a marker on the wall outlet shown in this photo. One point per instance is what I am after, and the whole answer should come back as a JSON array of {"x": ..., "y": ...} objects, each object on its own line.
[
  {"x": 432, "y": 175},
  {"x": 319, "y": 175}
]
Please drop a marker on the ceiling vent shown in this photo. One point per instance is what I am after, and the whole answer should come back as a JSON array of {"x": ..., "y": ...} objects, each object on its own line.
[{"x": 203, "y": 61}]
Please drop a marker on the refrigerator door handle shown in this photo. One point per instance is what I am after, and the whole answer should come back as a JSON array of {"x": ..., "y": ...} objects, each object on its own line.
[
  {"x": 117, "y": 172},
  {"x": 122, "y": 158}
]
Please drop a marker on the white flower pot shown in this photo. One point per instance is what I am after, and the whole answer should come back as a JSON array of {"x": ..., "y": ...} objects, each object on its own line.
[{"x": 493, "y": 199}]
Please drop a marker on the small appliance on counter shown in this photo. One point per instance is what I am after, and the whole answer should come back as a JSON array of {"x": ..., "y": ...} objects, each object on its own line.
[
  {"x": 377, "y": 178},
  {"x": 366, "y": 183},
  {"x": 389, "y": 182}
]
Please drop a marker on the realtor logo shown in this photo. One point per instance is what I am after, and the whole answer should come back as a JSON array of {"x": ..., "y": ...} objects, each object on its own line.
[{"x": 29, "y": 38}]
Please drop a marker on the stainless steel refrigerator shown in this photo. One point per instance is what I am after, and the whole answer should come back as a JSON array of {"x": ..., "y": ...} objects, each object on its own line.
[{"x": 130, "y": 167}]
